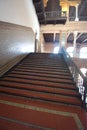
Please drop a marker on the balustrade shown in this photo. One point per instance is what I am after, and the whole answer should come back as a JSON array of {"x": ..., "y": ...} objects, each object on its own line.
[
  {"x": 79, "y": 78},
  {"x": 55, "y": 14}
]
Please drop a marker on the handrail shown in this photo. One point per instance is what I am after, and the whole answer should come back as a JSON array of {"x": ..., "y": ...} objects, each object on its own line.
[
  {"x": 55, "y": 14},
  {"x": 79, "y": 78},
  {"x": 81, "y": 18},
  {"x": 62, "y": 14}
]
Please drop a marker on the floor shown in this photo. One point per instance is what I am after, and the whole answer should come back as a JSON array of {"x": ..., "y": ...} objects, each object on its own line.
[{"x": 16, "y": 113}]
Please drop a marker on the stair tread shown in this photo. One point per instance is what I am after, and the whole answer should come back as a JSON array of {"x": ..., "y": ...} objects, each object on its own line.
[
  {"x": 46, "y": 83},
  {"x": 46, "y": 65},
  {"x": 40, "y": 75},
  {"x": 42, "y": 96},
  {"x": 39, "y": 88},
  {"x": 43, "y": 71},
  {"x": 42, "y": 66},
  {"x": 56, "y": 80}
]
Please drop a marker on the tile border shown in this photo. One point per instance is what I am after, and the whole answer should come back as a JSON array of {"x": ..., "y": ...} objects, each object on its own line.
[{"x": 40, "y": 109}]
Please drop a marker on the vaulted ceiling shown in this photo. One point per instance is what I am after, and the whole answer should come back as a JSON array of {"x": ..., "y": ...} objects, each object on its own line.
[{"x": 55, "y": 12}]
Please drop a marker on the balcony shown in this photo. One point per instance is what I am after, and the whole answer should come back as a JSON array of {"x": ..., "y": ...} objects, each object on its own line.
[{"x": 54, "y": 17}]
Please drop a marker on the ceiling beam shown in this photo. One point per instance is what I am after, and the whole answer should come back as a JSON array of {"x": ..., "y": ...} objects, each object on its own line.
[
  {"x": 80, "y": 26},
  {"x": 79, "y": 36},
  {"x": 84, "y": 41}
]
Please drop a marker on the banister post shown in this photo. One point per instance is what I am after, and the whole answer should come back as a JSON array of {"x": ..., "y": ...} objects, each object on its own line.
[{"x": 85, "y": 91}]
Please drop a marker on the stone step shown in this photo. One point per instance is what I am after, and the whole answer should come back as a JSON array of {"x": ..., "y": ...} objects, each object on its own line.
[{"x": 53, "y": 98}]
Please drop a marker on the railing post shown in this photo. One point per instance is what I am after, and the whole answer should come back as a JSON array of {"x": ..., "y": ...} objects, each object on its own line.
[
  {"x": 85, "y": 91},
  {"x": 79, "y": 78}
]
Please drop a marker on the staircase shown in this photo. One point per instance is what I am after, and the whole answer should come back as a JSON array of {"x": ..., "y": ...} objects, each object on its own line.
[{"x": 41, "y": 77}]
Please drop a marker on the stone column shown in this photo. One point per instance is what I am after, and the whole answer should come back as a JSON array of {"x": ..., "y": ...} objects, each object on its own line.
[
  {"x": 39, "y": 46},
  {"x": 77, "y": 18},
  {"x": 63, "y": 39},
  {"x": 67, "y": 13},
  {"x": 54, "y": 37},
  {"x": 74, "y": 46},
  {"x": 41, "y": 43},
  {"x": 36, "y": 42}
]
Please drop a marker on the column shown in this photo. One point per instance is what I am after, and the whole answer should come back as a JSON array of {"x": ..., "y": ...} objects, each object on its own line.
[
  {"x": 35, "y": 48},
  {"x": 77, "y": 18},
  {"x": 54, "y": 35},
  {"x": 41, "y": 44},
  {"x": 74, "y": 46},
  {"x": 67, "y": 13},
  {"x": 37, "y": 44},
  {"x": 63, "y": 39}
]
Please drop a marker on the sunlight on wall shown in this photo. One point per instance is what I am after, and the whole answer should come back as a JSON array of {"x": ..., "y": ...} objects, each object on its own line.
[
  {"x": 56, "y": 50},
  {"x": 27, "y": 49},
  {"x": 70, "y": 51},
  {"x": 83, "y": 52}
]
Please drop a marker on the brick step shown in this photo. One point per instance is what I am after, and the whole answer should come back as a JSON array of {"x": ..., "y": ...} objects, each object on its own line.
[
  {"x": 40, "y": 60},
  {"x": 39, "y": 75},
  {"x": 26, "y": 72},
  {"x": 44, "y": 55},
  {"x": 41, "y": 83},
  {"x": 55, "y": 80},
  {"x": 44, "y": 65},
  {"x": 43, "y": 68},
  {"x": 60, "y": 91},
  {"x": 56, "y": 61},
  {"x": 53, "y": 61},
  {"x": 42, "y": 71},
  {"x": 46, "y": 58},
  {"x": 54, "y": 98}
]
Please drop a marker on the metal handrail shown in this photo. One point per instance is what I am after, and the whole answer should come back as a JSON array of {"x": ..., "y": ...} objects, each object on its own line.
[
  {"x": 55, "y": 14},
  {"x": 79, "y": 78},
  {"x": 62, "y": 14},
  {"x": 81, "y": 18}
]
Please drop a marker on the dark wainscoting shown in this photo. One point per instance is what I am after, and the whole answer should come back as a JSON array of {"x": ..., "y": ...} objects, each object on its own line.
[{"x": 16, "y": 42}]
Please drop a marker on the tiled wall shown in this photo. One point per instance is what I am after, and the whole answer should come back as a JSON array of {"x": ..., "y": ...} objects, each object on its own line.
[{"x": 15, "y": 42}]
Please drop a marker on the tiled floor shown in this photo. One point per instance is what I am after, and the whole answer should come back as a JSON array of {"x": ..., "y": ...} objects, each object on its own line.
[{"x": 28, "y": 114}]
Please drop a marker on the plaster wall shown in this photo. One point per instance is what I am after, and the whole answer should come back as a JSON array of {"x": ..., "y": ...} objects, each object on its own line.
[
  {"x": 18, "y": 25},
  {"x": 20, "y": 12}
]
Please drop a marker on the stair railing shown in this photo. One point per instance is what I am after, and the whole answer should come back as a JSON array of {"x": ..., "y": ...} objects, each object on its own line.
[
  {"x": 79, "y": 78},
  {"x": 52, "y": 15}
]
